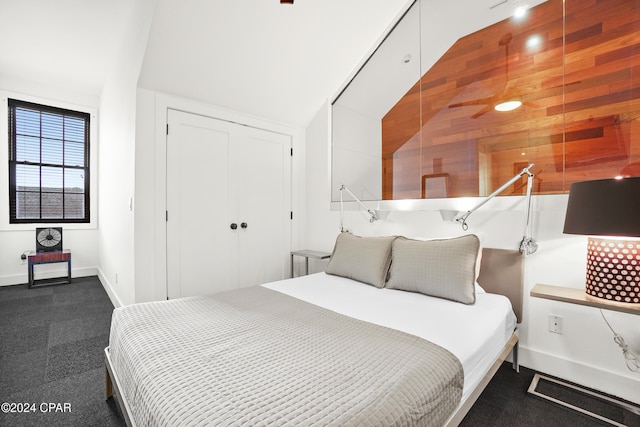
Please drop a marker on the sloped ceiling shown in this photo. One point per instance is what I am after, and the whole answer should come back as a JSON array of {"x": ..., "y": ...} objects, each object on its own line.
[{"x": 273, "y": 61}]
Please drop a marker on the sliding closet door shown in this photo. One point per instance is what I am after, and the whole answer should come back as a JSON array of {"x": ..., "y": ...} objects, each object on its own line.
[
  {"x": 264, "y": 187},
  {"x": 201, "y": 247}
]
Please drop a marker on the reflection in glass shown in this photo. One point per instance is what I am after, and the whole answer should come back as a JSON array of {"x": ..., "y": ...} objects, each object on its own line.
[
  {"x": 572, "y": 68},
  {"x": 358, "y": 111}
]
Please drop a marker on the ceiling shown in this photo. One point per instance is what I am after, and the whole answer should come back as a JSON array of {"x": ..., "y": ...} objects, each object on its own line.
[
  {"x": 67, "y": 44},
  {"x": 275, "y": 61}
]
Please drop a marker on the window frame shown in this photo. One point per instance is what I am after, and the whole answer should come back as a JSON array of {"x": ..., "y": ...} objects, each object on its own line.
[{"x": 62, "y": 100}]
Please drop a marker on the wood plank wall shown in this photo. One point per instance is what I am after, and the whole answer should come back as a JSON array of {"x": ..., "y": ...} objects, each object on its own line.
[{"x": 581, "y": 92}]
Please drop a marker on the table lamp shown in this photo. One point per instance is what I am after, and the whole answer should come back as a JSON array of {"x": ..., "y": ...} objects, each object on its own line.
[{"x": 608, "y": 211}]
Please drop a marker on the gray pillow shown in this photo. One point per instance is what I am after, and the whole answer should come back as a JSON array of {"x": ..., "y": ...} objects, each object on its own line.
[
  {"x": 443, "y": 268},
  {"x": 365, "y": 259}
]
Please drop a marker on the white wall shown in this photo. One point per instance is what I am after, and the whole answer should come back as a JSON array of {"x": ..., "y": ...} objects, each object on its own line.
[
  {"x": 117, "y": 159},
  {"x": 585, "y": 353},
  {"x": 15, "y": 239}
]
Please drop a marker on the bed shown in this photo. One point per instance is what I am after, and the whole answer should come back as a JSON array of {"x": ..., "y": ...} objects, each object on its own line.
[{"x": 364, "y": 343}]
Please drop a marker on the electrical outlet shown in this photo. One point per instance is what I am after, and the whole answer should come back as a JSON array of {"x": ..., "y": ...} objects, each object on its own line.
[{"x": 555, "y": 324}]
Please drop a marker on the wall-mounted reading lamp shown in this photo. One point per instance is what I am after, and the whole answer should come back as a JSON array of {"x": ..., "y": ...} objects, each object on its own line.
[
  {"x": 527, "y": 245},
  {"x": 374, "y": 216}
]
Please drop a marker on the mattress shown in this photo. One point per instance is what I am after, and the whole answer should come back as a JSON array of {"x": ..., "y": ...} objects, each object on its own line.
[{"x": 475, "y": 334}]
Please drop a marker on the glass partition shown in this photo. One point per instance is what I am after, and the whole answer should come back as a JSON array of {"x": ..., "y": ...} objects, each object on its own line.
[{"x": 434, "y": 114}]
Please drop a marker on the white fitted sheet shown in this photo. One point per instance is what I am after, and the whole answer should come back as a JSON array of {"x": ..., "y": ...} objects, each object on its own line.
[{"x": 475, "y": 334}]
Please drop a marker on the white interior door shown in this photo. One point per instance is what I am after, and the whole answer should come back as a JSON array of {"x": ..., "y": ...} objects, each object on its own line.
[
  {"x": 264, "y": 205},
  {"x": 201, "y": 247}
]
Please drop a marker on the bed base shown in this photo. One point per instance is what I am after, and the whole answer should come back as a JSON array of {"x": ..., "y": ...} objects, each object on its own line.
[
  {"x": 511, "y": 347},
  {"x": 112, "y": 384},
  {"x": 112, "y": 389}
]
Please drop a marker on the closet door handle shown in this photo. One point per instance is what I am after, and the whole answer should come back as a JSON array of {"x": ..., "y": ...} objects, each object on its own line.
[
  {"x": 244, "y": 225},
  {"x": 234, "y": 225}
]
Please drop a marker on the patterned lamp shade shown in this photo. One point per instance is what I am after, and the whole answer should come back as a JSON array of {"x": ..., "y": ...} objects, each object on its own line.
[{"x": 608, "y": 211}]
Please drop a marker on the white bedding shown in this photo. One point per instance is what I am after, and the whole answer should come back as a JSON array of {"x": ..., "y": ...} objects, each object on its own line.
[{"x": 476, "y": 333}]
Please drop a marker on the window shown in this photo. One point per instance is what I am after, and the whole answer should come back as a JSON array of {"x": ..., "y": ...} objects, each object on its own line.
[{"x": 48, "y": 164}]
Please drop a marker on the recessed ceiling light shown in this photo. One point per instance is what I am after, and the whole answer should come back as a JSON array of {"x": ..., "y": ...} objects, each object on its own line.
[
  {"x": 508, "y": 105},
  {"x": 520, "y": 12},
  {"x": 533, "y": 41}
]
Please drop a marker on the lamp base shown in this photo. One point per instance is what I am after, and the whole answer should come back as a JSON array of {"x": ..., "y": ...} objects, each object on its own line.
[{"x": 613, "y": 269}]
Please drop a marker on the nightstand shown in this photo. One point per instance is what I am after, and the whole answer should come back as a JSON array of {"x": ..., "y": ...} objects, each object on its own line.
[
  {"x": 49, "y": 258},
  {"x": 306, "y": 253}
]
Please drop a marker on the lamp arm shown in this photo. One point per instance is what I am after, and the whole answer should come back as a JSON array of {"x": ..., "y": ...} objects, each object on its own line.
[
  {"x": 341, "y": 212},
  {"x": 374, "y": 217},
  {"x": 463, "y": 219},
  {"x": 528, "y": 245}
]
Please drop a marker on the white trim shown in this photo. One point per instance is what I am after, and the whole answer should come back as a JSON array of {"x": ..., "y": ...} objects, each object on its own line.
[
  {"x": 588, "y": 376},
  {"x": 113, "y": 296},
  {"x": 4, "y": 161}
]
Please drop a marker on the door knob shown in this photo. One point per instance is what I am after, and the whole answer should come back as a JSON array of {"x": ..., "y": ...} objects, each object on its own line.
[
  {"x": 244, "y": 225},
  {"x": 234, "y": 225}
]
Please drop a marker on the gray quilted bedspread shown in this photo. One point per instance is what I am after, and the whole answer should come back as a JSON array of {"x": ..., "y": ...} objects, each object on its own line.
[{"x": 256, "y": 357}]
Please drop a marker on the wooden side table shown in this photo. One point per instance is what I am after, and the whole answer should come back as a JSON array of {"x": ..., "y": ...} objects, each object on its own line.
[
  {"x": 49, "y": 258},
  {"x": 306, "y": 253},
  {"x": 580, "y": 297}
]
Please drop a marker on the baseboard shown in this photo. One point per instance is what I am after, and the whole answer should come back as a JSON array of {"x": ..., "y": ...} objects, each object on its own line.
[
  {"x": 113, "y": 296},
  {"x": 21, "y": 279},
  {"x": 588, "y": 376},
  {"x": 17, "y": 279}
]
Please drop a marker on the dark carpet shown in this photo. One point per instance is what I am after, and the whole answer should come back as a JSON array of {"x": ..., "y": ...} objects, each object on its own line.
[{"x": 52, "y": 342}]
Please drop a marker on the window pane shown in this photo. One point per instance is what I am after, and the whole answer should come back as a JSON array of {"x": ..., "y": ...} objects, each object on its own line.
[
  {"x": 51, "y": 179},
  {"x": 74, "y": 129},
  {"x": 52, "y": 151},
  {"x": 27, "y": 205},
  {"x": 27, "y": 122},
  {"x": 73, "y": 180},
  {"x": 74, "y": 205},
  {"x": 27, "y": 149},
  {"x": 27, "y": 177},
  {"x": 51, "y": 205},
  {"x": 73, "y": 154},
  {"x": 52, "y": 126}
]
